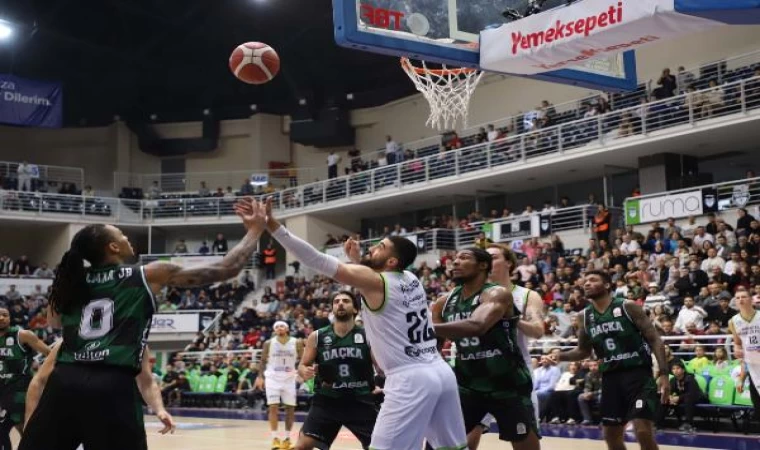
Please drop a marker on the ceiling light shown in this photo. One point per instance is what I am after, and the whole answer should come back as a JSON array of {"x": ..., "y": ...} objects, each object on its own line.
[
  {"x": 253, "y": 107},
  {"x": 206, "y": 112},
  {"x": 153, "y": 117},
  {"x": 302, "y": 101},
  {"x": 5, "y": 30},
  {"x": 349, "y": 96}
]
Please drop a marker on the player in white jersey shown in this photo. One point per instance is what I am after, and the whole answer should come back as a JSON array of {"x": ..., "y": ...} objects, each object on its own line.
[
  {"x": 279, "y": 358},
  {"x": 421, "y": 397},
  {"x": 745, "y": 327}
]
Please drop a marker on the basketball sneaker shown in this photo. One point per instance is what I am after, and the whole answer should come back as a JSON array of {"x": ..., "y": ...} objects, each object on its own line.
[
  {"x": 285, "y": 444},
  {"x": 276, "y": 445}
]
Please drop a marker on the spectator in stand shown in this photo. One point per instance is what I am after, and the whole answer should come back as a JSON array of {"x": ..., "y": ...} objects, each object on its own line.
[
  {"x": 629, "y": 246},
  {"x": 6, "y": 265},
  {"x": 690, "y": 314},
  {"x": 154, "y": 191},
  {"x": 668, "y": 85},
  {"x": 684, "y": 79},
  {"x": 482, "y": 241},
  {"x": 219, "y": 247},
  {"x": 744, "y": 222},
  {"x": 25, "y": 173},
  {"x": 270, "y": 260},
  {"x": 492, "y": 133},
  {"x": 391, "y": 149},
  {"x": 544, "y": 380},
  {"x": 398, "y": 230},
  {"x": 685, "y": 394},
  {"x": 43, "y": 272},
  {"x": 332, "y": 165},
  {"x": 180, "y": 247},
  {"x": 204, "y": 191},
  {"x": 246, "y": 188},
  {"x": 88, "y": 192},
  {"x": 204, "y": 250},
  {"x": 563, "y": 403},
  {"x": 22, "y": 267},
  {"x": 592, "y": 392}
]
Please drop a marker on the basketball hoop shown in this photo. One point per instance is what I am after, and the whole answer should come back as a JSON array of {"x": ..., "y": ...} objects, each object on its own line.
[{"x": 447, "y": 90}]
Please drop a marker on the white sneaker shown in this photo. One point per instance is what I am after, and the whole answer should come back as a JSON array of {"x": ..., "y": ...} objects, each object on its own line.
[
  {"x": 570, "y": 421},
  {"x": 555, "y": 421}
]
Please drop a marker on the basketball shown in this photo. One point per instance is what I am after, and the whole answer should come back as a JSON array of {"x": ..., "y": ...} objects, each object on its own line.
[{"x": 254, "y": 63}]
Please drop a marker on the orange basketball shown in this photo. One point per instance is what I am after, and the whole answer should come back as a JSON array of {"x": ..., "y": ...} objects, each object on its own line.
[{"x": 254, "y": 62}]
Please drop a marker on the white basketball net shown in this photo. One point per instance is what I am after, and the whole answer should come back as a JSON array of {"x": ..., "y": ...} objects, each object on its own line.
[{"x": 448, "y": 92}]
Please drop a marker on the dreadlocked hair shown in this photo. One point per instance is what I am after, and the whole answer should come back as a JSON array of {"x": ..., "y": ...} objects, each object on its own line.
[{"x": 70, "y": 284}]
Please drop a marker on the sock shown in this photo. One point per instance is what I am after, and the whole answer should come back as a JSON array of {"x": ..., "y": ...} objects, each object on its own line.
[
  {"x": 284, "y": 435},
  {"x": 274, "y": 434}
]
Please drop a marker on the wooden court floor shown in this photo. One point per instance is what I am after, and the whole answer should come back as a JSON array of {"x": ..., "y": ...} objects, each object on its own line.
[{"x": 228, "y": 434}]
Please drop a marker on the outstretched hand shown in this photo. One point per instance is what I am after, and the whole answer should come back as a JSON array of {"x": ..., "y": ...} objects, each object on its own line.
[
  {"x": 351, "y": 249},
  {"x": 253, "y": 214}
]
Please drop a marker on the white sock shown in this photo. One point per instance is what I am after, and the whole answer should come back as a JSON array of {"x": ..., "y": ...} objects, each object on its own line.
[
  {"x": 284, "y": 435},
  {"x": 274, "y": 434}
]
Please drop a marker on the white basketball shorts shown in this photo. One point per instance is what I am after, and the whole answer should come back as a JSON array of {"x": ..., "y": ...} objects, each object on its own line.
[
  {"x": 280, "y": 391},
  {"x": 421, "y": 402}
]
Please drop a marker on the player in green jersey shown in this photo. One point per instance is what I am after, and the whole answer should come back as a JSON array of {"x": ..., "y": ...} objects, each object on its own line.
[
  {"x": 491, "y": 371},
  {"x": 623, "y": 338},
  {"x": 339, "y": 358},
  {"x": 17, "y": 347},
  {"x": 106, "y": 311}
]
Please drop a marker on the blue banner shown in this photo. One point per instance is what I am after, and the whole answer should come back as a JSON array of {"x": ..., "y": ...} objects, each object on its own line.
[{"x": 30, "y": 103}]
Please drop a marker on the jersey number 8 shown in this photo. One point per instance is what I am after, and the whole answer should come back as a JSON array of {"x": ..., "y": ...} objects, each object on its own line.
[{"x": 97, "y": 319}]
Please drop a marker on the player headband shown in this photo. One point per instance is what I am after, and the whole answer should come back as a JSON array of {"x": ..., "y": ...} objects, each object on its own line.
[{"x": 280, "y": 323}]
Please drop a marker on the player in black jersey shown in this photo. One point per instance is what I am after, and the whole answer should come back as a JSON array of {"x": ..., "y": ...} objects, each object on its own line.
[
  {"x": 339, "y": 356},
  {"x": 17, "y": 347},
  {"x": 105, "y": 311}
]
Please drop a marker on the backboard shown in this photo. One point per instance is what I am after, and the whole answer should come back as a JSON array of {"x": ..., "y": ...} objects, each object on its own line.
[{"x": 447, "y": 32}]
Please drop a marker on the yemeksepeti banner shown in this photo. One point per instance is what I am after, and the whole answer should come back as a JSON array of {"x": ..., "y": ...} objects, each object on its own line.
[{"x": 30, "y": 103}]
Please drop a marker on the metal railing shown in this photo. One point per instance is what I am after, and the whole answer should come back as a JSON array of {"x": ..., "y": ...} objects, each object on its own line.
[
  {"x": 50, "y": 178},
  {"x": 677, "y": 114},
  {"x": 190, "y": 182},
  {"x": 565, "y": 219}
]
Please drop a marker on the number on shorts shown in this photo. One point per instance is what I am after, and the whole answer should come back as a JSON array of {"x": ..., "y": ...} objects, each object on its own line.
[
  {"x": 97, "y": 319},
  {"x": 343, "y": 370},
  {"x": 610, "y": 344},
  {"x": 469, "y": 342},
  {"x": 419, "y": 330}
]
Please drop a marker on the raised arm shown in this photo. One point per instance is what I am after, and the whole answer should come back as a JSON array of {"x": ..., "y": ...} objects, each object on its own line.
[
  {"x": 647, "y": 329},
  {"x": 369, "y": 282},
  {"x": 306, "y": 366},
  {"x": 532, "y": 322},
  {"x": 496, "y": 304},
  {"x": 160, "y": 274},
  {"x": 581, "y": 351},
  {"x": 151, "y": 393}
]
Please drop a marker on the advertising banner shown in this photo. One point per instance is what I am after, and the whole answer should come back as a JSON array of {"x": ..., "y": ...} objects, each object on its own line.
[{"x": 30, "y": 103}]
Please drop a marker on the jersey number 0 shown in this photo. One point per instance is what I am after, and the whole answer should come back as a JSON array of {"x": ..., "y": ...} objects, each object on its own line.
[{"x": 97, "y": 319}]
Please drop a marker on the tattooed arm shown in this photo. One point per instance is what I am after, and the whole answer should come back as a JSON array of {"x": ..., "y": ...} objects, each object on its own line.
[
  {"x": 647, "y": 329},
  {"x": 160, "y": 274},
  {"x": 532, "y": 322},
  {"x": 582, "y": 351}
]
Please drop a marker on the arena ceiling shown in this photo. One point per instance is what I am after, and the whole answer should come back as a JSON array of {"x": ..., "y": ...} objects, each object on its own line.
[{"x": 134, "y": 58}]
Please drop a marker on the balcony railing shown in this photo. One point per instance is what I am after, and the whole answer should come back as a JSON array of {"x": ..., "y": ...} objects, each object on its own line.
[
  {"x": 47, "y": 177},
  {"x": 631, "y": 125}
]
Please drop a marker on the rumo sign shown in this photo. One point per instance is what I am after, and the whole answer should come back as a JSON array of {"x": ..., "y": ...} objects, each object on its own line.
[{"x": 653, "y": 209}]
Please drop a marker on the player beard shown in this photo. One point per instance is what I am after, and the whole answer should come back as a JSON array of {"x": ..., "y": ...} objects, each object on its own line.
[
  {"x": 368, "y": 262},
  {"x": 342, "y": 316}
]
